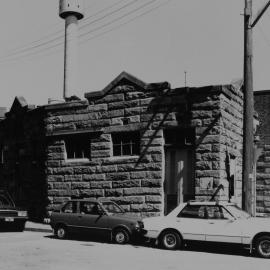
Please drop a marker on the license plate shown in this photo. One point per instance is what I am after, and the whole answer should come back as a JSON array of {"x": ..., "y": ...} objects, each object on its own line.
[{"x": 9, "y": 219}]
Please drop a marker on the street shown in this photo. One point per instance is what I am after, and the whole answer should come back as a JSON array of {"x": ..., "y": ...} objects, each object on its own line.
[{"x": 38, "y": 250}]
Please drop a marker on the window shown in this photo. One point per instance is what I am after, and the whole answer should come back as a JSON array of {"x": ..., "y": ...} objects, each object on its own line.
[
  {"x": 192, "y": 211},
  {"x": 70, "y": 207},
  {"x": 90, "y": 208},
  {"x": 112, "y": 208},
  {"x": 214, "y": 212},
  {"x": 77, "y": 146},
  {"x": 126, "y": 144}
]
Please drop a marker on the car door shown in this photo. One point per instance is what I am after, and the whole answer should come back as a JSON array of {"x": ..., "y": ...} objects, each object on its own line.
[
  {"x": 221, "y": 226},
  {"x": 191, "y": 222},
  {"x": 68, "y": 216},
  {"x": 92, "y": 219}
]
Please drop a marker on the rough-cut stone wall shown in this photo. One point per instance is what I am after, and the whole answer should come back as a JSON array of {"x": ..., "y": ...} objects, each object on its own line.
[
  {"x": 218, "y": 121},
  {"x": 231, "y": 143},
  {"x": 263, "y": 182},
  {"x": 262, "y": 107},
  {"x": 47, "y": 178},
  {"x": 136, "y": 183}
]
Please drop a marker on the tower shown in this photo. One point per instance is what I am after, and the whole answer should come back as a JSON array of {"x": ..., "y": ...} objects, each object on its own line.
[{"x": 71, "y": 11}]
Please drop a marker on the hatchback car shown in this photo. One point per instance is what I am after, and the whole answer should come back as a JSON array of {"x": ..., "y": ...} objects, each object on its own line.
[
  {"x": 11, "y": 218},
  {"x": 210, "y": 222},
  {"x": 97, "y": 217}
]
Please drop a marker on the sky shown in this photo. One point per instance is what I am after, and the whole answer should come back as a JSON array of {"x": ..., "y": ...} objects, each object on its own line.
[{"x": 154, "y": 40}]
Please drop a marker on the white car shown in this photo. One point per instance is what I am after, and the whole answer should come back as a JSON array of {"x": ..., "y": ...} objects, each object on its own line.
[{"x": 211, "y": 222}]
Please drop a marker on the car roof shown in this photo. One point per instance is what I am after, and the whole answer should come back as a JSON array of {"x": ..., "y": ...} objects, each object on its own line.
[{"x": 210, "y": 203}]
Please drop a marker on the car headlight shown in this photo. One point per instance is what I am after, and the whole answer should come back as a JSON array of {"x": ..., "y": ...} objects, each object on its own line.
[
  {"x": 22, "y": 213},
  {"x": 139, "y": 225}
]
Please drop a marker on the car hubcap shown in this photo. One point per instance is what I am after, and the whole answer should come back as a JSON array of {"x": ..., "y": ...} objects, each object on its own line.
[
  {"x": 265, "y": 247},
  {"x": 170, "y": 240},
  {"x": 61, "y": 233},
  {"x": 120, "y": 237}
]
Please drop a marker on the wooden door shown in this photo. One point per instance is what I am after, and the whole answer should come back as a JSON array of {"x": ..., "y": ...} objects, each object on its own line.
[{"x": 178, "y": 177}]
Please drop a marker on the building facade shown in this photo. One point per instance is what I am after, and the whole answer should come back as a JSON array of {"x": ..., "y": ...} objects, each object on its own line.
[{"x": 146, "y": 146}]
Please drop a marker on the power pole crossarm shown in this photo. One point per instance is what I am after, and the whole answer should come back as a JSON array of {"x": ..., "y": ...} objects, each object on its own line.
[{"x": 260, "y": 13}]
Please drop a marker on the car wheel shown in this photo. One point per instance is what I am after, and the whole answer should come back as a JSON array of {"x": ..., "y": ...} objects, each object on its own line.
[
  {"x": 20, "y": 227},
  {"x": 263, "y": 246},
  {"x": 61, "y": 232},
  {"x": 121, "y": 236},
  {"x": 170, "y": 240}
]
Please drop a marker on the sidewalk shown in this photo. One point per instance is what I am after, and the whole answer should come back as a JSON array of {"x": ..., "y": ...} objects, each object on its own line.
[{"x": 38, "y": 227}]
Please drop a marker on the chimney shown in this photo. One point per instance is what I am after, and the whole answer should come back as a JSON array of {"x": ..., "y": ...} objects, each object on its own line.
[{"x": 71, "y": 11}]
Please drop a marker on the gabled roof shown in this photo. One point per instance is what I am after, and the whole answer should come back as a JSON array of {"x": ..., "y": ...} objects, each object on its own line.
[
  {"x": 124, "y": 76},
  {"x": 19, "y": 104}
]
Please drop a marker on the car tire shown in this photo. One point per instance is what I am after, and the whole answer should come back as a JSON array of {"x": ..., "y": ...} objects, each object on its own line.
[
  {"x": 20, "y": 227},
  {"x": 61, "y": 232},
  {"x": 121, "y": 236},
  {"x": 170, "y": 240},
  {"x": 263, "y": 246}
]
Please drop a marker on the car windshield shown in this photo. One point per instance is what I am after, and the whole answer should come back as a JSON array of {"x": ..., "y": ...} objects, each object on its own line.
[
  {"x": 5, "y": 201},
  {"x": 112, "y": 208},
  {"x": 237, "y": 212}
]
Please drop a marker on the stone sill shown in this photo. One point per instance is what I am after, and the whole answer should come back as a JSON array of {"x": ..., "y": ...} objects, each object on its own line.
[
  {"x": 76, "y": 160},
  {"x": 124, "y": 157}
]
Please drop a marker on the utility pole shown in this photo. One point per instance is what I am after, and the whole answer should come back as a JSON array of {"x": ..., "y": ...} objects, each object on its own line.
[{"x": 249, "y": 184}]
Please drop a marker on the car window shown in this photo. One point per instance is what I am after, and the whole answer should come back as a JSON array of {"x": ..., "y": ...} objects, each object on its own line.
[
  {"x": 237, "y": 212},
  {"x": 217, "y": 212},
  {"x": 112, "y": 207},
  {"x": 226, "y": 214},
  {"x": 214, "y": 212},
  {"x": 193, "y": 211},
  {"x": 4, "y": 201},
  {"x": 90, "y": 208},
  {"x": 70, "y": 207}
]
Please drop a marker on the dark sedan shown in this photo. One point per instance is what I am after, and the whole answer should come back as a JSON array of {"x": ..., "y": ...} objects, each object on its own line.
[
  {"x": 97, "y": 217},
  {"x": 11, "y": 218}
]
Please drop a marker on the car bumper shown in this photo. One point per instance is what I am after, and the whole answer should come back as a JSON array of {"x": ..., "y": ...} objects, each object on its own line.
[
  {"x": 10, "y": 223},
  {"x": 10, "y": 220},
  {"x": 151, "y": 234}
]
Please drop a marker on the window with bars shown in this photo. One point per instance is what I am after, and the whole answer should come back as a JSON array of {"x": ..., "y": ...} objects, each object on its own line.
[
  {"x": 77, "y": 146},
  {"x": 126, "y": 143}
]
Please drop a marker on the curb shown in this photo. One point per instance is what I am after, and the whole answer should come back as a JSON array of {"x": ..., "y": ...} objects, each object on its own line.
[
  {"x": 38, "y": 230},
  {"x": 38, "y": 227}
]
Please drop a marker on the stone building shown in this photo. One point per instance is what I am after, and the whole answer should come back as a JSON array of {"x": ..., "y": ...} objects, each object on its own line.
[
  {"x": 146, "y": 146},
  {"x": 262, "y": 107}
]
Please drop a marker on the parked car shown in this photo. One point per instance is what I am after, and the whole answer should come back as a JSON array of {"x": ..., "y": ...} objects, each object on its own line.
[
  {"x": 98, "y": 217},
  {"x": 210, "y": 222},
  {"x": 11, "y": 218}
]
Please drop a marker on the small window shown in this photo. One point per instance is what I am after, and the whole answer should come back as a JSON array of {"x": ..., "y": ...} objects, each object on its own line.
[
  {"x": 192, "y": 211},
  {"x": 77, "y": 146},
  {"x": 126, "y": 144}
]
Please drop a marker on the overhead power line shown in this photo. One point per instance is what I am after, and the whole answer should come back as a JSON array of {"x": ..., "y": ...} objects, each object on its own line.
[
  {"x": 98, "y": 28},
  {"x": 59, "y": 35}
]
